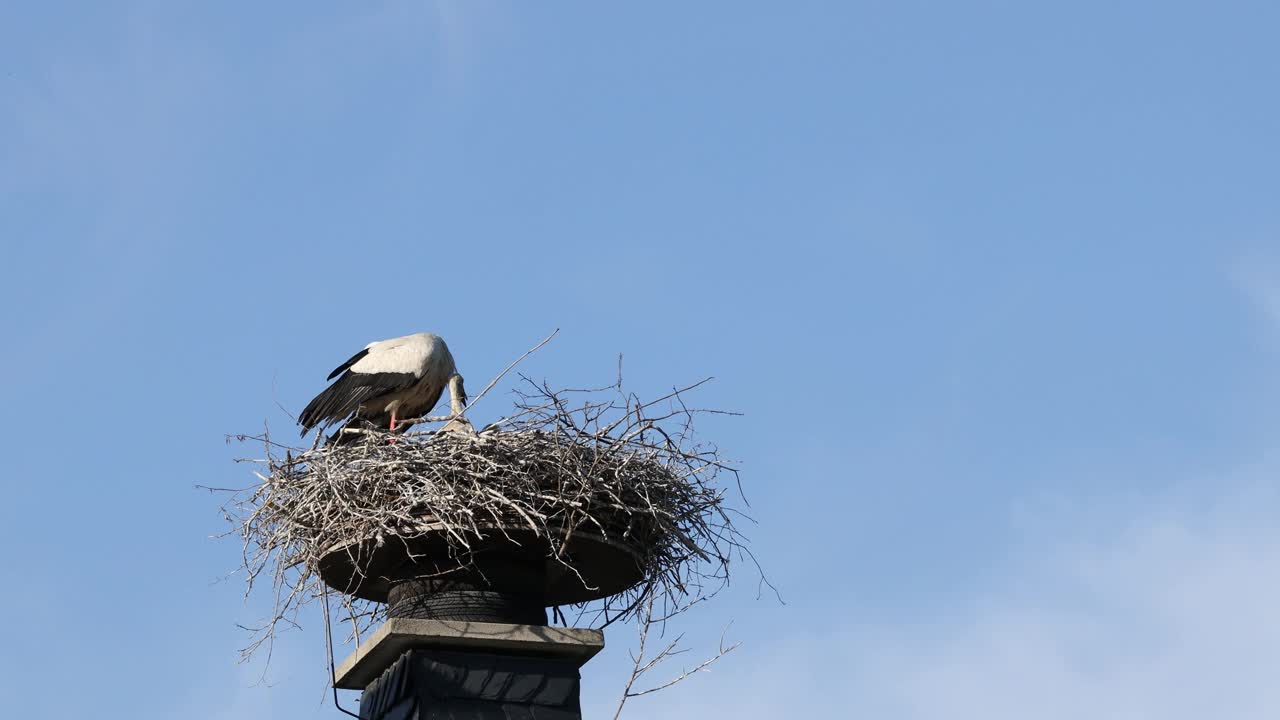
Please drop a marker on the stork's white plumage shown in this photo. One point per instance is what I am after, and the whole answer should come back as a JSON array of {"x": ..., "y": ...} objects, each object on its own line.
[{"x": 401, "y": 378}]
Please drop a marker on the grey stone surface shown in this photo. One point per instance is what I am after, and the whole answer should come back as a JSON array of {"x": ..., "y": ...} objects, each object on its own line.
[{"x": 397, "y": 635}]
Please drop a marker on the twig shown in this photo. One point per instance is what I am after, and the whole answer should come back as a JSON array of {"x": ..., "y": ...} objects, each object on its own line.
[
  {"x": 518, "y": 360},
  {"x": 642, "y": 665}
]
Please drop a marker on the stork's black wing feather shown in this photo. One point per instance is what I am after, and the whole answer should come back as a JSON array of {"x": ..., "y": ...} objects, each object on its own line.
[
  {"x": 347, "y": 394},
  {"x": 354, "y": 359}
]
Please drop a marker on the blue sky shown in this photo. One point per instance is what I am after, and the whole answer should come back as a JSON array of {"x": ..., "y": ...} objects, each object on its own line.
[{"x": 996, "y": 285}]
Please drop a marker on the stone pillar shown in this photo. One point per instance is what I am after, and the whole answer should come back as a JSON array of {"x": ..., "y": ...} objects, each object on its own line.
[
  {"x": 469, "y": 639},
  {"x": 420, "y": 669}
]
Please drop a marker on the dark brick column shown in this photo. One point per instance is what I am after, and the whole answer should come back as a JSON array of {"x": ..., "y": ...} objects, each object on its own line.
[
  {"x": 450, "y": 685},
  {"x": 473, "y": 643},
  {"x": 422, "y": 669}
]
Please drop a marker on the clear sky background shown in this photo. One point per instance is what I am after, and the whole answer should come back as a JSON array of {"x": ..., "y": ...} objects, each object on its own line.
[{"x": 996, "y": 285}]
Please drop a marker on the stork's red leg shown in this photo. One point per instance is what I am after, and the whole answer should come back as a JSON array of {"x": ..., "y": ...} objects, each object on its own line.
[{"x": 393, "y": 421}]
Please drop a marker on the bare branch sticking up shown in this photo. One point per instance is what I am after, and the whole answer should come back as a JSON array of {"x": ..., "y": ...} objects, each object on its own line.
[{"x": 642, "y": 663}]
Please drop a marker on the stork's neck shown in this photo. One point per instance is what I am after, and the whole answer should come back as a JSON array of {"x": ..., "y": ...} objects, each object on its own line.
[{"x": 457, "y": 395}]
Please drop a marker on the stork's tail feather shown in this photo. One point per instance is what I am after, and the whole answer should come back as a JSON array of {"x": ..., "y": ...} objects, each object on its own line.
[{"x": 313, "y": 414}]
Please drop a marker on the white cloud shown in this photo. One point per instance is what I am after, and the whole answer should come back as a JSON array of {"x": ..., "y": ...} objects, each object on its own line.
[
  {"x": 1168, "y": 614},
  {"x": 1258, "y": 276},
  {"x": 1167, "y": 621}
]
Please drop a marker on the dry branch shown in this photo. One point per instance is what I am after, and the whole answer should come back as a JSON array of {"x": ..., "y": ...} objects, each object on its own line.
[{"x": 642, "y": 662}]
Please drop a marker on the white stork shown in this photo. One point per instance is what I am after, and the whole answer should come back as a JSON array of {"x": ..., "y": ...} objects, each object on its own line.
[{"x": 389, "y": 380}]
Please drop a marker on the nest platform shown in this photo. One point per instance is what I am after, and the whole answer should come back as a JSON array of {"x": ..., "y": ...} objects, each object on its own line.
[
  {"x": 570, "y": 500},
  {"x": 503, "y": 557}
]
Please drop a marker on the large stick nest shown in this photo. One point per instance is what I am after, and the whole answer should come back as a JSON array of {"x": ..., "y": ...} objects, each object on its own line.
[{"x": 595, "y": 461}]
